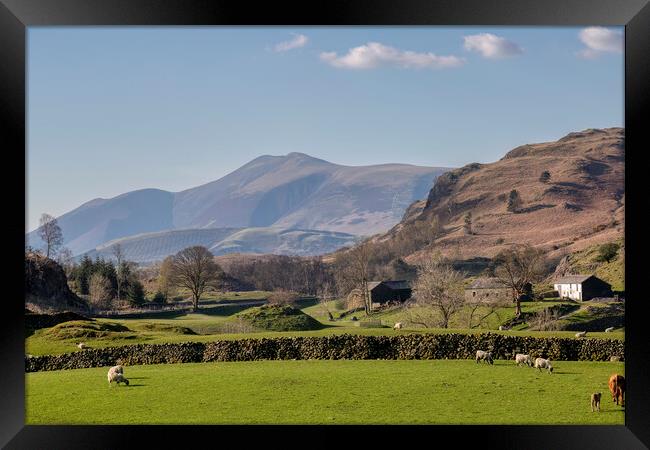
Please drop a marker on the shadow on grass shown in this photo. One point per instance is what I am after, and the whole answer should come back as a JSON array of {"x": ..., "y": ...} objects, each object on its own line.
[
  {"x": 224, "y": 310},
  {"x": 306, "y": 302}
]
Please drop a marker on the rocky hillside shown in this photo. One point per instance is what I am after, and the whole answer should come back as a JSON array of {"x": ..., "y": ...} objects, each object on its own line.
[
  {"x": 46, "y": 285},
  {"x": 581, "y": 203}
]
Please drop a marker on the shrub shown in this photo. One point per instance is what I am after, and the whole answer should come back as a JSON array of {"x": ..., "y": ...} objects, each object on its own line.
[
  {"x": 282, "y": 297},
  {"x": 607, "y": 252},
  {"x": 514, "y": 201}
]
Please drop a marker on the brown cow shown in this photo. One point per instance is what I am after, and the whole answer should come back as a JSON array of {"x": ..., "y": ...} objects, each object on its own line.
[{"x": 617, "y": 388}]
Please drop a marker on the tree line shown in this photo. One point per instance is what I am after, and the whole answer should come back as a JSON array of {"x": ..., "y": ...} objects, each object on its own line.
[{"x": 436, "y": 285}]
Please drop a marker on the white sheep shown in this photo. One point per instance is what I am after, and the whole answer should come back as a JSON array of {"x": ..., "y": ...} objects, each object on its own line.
[
  {"x": 82, "y": 345},
  {"x": 581, "y": 334},
  {"x": 541, "y": 363},
  {"x": 484, "y": 356},
  {"x": 116, "y": 373},
  {"x": 523, "y": 359},
  {"x": 609, "y": 330},
  {"x": 397, "y": 326}
]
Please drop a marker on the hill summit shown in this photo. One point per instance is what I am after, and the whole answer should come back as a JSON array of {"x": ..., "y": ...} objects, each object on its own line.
[
  {"x": 294, "y": 191},
  {"x": 569, "y": 195}
]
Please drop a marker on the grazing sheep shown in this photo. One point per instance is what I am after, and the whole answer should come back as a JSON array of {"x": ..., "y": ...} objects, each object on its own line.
[
  {"x": 523, "y": 359},
  {"x": 541, "y": 363},
  {"x": 397, "y": 326},
  {"x": 581, "y": 334},
  {"x": 595, "y": 401},
  {"x": 116, "y": 373},
  {"x": 82, "y": 345},
  {"x": 609, "y": 330},
  {"x": 484, "y": 356}
]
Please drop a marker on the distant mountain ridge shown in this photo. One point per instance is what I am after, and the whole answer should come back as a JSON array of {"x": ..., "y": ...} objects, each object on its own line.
[
  {"x": 291, "y": 192},
  {"x": 150, "y": 247}
]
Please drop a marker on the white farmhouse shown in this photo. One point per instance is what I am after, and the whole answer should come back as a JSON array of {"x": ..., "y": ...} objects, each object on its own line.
[{"x": 582, "y": 287}]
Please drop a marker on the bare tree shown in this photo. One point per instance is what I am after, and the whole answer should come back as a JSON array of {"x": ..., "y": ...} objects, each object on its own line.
[
  {"x": 519, "y": 267},
  {"x": 51, "y": 234},
  {"x": 545, "y": 320},
  {"x": 325, "y": 294},
  {"x": 119, "y": 257},
  {"x": 194, "y": 269},
  {"x": 100, "y": 291},
  {"x": 65, "y": 260},
  {"x": 359, "y": 257},
  {"x": 164, "y": 282},
  {"x": 438, "y": 287},
  {"x": 480, "y": 309}
]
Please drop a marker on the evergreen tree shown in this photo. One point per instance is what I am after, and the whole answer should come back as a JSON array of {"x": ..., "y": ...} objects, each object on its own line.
[
  {"x": 135, "y": 292},
  {"x": 514, "y": 201}
]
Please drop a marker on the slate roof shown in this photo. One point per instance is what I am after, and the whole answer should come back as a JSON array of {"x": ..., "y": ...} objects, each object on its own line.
[
  {"x": 572, "y": 279},
  {"x": 487, "y": 283},
  {"x": 373, "y": 284},
  {"x": 393, "y": 284}
]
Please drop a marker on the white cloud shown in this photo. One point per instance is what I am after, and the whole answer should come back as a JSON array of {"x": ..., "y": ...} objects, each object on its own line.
[
  {"x": 374, "y": 54},
  {"x": 599, "y": 40},
  {"x": 299, "y": 40},
  {"x": 491, "y": 46}
]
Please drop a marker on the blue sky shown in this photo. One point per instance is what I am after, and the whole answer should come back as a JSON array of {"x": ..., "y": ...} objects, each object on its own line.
[{"x": 113, "y": 109}]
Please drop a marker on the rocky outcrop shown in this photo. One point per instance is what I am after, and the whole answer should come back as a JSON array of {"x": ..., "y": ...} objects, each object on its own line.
[{"x": 46, "y": 285}]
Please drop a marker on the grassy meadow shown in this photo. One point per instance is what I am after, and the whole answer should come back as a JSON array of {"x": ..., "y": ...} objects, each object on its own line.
[
  {"x": 217, "y": 322},
  {"x": 313, "y": 391},
  {"x": 326, "y": 392}
]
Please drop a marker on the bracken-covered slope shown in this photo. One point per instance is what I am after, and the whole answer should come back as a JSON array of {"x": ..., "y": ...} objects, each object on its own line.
[
  {"x": 581, "y": 205},
  {"x": 294, "y": 191}
]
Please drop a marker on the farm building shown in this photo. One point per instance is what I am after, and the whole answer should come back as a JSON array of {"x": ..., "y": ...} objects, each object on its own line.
[
  {"x": 492, "y": 289},
  {"x": 582, "y": 287},
  {"x": 383, "y": 292}
]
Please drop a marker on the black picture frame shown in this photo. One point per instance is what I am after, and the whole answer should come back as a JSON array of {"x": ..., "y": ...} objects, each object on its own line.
[{"x": 16, "y": 15}]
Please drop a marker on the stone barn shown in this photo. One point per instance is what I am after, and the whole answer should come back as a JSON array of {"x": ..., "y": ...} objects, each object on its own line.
[
  {"x": 582, "y": 287},
  {"x": 389, "y": 291},
  {"x": 492, "y": 289}
]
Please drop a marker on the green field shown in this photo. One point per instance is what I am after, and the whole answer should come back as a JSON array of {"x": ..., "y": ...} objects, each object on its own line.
[
  {"x": 216, "y": 323},
  {"x": 326, "y": 392}
]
